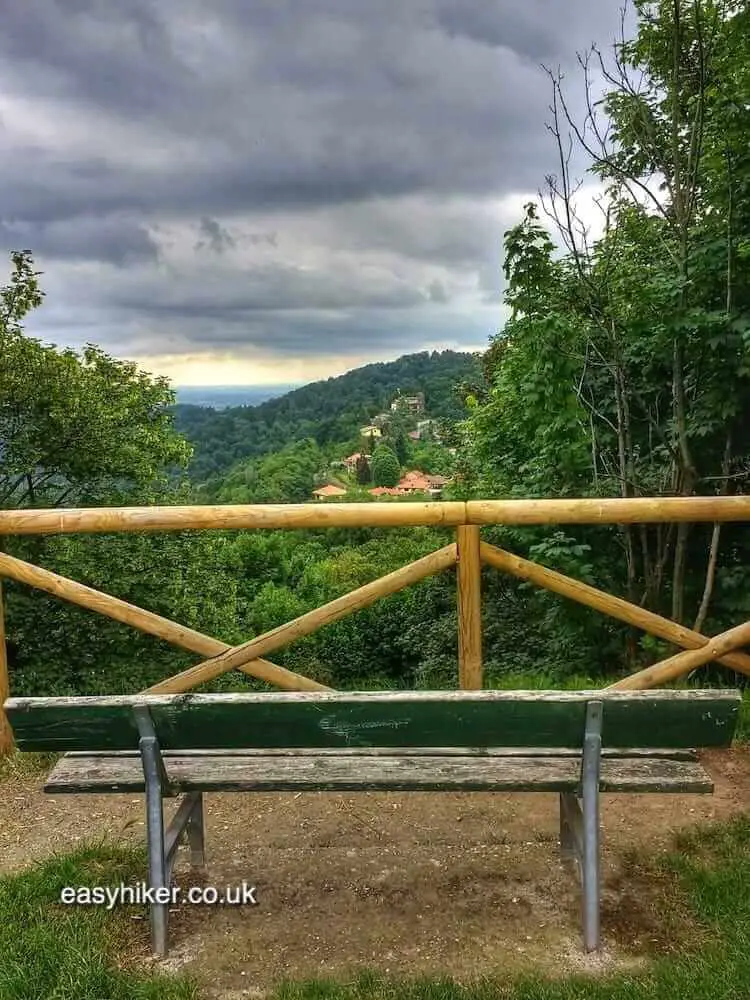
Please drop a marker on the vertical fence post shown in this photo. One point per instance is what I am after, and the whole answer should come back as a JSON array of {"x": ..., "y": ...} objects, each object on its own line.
[
  {"x": 6, "y": 734},
  {"x": 469, "y": 607}
]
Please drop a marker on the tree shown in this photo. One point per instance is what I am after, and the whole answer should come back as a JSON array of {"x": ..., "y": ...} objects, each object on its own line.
[
  {"x": 399, "y": 443},
  {"x": 92, "y": 429},
  {"x": 74, "y": 428},
  {"x": 623, "y": 369},
  {"x": 386, "y": 470},
  {"x": 286, "y": 476},
  {"x": 674, "y": 156},
  {"x": 363, "y": 470}
]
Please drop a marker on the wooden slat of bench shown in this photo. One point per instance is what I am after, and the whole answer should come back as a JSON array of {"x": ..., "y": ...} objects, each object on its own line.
[
  {"x": 680, "y": 754},
  {"x": 377, "y": 719},
  {"x": 255, "y": 772}
]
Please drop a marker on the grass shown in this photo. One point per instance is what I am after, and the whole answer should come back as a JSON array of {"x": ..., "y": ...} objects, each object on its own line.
[{"x": 50, "y": 951}]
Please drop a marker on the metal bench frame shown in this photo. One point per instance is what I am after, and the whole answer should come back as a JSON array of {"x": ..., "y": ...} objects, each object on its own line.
[
  {"x": 579, "y": 826},
  {"x": 163, "y": 843}
]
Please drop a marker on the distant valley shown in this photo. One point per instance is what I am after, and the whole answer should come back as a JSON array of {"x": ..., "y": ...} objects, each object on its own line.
[{"x": 219, "y": 397}]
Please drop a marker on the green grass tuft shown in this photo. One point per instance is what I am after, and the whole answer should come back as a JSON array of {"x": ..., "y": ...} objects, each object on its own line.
[{"x": 50, "y": 950}]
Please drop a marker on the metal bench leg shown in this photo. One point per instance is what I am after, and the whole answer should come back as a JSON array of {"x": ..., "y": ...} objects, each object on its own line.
[
  {"x": 159, "y": 867},
  {"x": 195, "y": 833},
  {"x": 591, "y": 767},
  {"x": 157, "y": 861}
]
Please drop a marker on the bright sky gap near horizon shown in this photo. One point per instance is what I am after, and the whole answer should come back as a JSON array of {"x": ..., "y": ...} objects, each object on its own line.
[{"x": 255, "y": 194}]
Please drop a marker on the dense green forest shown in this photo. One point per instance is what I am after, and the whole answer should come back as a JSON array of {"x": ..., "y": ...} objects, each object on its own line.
[
  {"x": 327, "y": 412},
  {"x": 623, "y": 370}
]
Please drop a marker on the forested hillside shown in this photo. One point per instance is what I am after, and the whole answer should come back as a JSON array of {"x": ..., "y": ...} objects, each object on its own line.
[{"x": 327, "y": 412}]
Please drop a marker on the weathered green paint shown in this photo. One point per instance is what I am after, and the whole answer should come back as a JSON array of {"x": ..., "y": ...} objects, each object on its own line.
[{"x": 379, "y": 719}]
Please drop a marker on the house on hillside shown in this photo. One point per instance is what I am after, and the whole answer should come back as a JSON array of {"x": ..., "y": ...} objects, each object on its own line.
[
  {"x": 437, "y": 484},
  {"x": 370, "y": 431},
  {"x": 409, "y": 404},
  {"x": 326, "y": 492},
  {"x": 414, "y": 482},
  {"x": 381, "y": 419},
  {"x": 429, "y": 429},
  {"x": 419, "y": 482}
]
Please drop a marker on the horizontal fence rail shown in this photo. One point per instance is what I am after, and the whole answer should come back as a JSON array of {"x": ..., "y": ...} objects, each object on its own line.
[
  {"x": 634, "y": 510},
  {"x": 467, "y": 555}
]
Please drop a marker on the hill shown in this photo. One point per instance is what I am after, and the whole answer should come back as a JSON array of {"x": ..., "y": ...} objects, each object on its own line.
[{"x": 326, "y": 412}]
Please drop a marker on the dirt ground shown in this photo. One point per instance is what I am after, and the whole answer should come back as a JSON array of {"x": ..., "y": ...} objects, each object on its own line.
[{"x": 461, "y": 884}]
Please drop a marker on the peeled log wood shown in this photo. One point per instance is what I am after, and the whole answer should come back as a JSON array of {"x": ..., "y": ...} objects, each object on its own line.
[
  {"x": 469, "y": 608},
  {"x": 435, "y": 562},
  {"x": 145, "y": 621},
  {"x": 681, "y": 664},
  {"x": 599, "y": 600},
  {"x": 230, "y": 516},
  {"x": 611, "y": 510}
]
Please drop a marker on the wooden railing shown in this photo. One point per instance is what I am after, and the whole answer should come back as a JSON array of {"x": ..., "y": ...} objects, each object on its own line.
[{"x": 468, "y": 553}]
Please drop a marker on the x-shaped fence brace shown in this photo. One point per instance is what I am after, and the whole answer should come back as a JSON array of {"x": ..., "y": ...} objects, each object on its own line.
[{"x": 248, "y": 656}]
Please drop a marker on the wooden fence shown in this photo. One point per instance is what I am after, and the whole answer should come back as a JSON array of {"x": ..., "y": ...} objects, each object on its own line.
[{"x": 468, "y": 553}]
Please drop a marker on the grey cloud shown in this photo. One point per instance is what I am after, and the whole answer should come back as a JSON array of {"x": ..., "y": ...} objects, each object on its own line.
[
  {"x": 529, "y": 28},
  {"x": 258, "y": 239},
  {"x": 114, "y": 240},
  {"x": 299, "y": 335},
  {"x": 436, "y": 292},
  {"x": 264, "y": 288},
  {"x": 228, "y": 119},
  {"x": 365, "y": 107},
  {"x": 214, "y": 236}
]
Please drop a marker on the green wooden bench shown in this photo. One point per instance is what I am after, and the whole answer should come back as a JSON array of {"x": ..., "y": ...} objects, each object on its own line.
[{"x": 577, "y": 744}]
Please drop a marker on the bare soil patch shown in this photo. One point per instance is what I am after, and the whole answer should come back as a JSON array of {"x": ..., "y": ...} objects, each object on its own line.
[{"x": 462, "y": 884}]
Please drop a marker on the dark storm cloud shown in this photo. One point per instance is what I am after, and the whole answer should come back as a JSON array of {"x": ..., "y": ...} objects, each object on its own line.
[
  {"x": 229, "y": 125},
  {"x": 110, "y": 239},
  {"x": 268, "y": 288}
]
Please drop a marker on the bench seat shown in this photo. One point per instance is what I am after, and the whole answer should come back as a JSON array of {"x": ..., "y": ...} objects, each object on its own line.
[{"x": 384, "y": 771}]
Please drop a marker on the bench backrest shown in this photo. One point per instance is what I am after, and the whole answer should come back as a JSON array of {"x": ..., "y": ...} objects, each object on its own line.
[{"x": 463, "y": 719}]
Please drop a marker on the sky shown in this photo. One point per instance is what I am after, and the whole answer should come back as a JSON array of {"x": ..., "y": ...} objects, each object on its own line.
[{"x": 268, "y": 191}]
